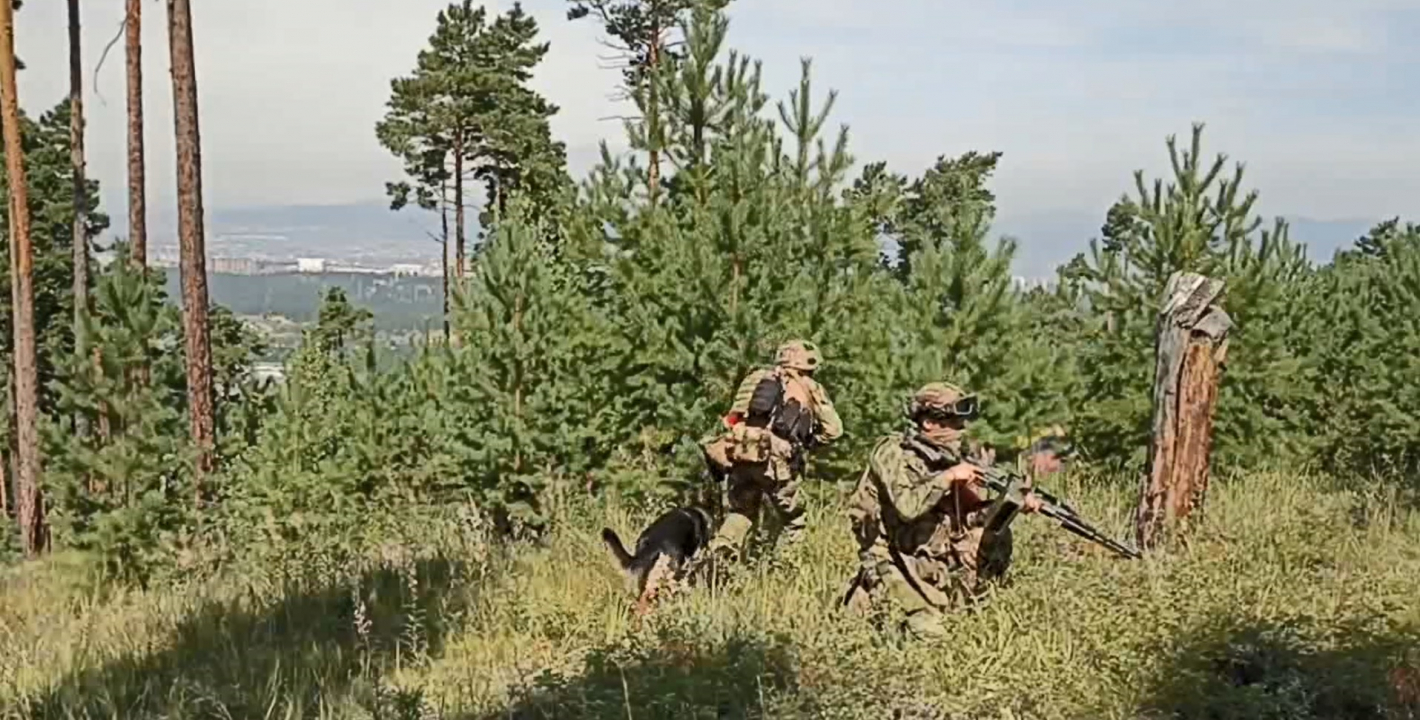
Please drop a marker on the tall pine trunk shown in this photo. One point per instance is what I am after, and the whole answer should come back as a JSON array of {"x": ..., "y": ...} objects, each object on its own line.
[
  {"x": 444, "y": 249},
  {"x": 137, "y": 184},
  {"x": 191, "y": 241},
  {"x": 76, "y": 161},
  {"x": 9, "y": 453},
  {"x": 27, "y": 466},
  {"x": 80, "y": 235},
  {"x": 458, "y": 207},
  {"x": 653, "y": 110},
  {"x": 459, "y": 221}
]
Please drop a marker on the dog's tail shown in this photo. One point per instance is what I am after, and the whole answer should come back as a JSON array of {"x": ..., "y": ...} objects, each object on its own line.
[{"x": 613, "y": 542}]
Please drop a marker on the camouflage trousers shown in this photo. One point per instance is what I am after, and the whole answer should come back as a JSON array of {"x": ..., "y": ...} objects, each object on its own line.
[
  {"x": 932, "y": 585},
  {"x": 749, "y": 488}
]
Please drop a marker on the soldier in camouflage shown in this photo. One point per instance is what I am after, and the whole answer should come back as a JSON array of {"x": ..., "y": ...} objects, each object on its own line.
[
  {"x": 917, "y": 513},
  {"x": 760, "y": 454}
]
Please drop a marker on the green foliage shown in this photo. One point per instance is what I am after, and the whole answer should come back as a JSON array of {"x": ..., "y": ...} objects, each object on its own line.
[
  {"x": 758, "y": 240},
  {"x": 48, "y": 174},
  {"x": 1360, "y": 328},
  {"x": 532, "y": 384},
  {"x": 466, "y": 113},
  {"x": 1200, "y": 221},
  {"x": 123, "y": 491}
]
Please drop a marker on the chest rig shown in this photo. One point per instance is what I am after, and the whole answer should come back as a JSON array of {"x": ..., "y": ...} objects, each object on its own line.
[{"x": 928, "y": 460}]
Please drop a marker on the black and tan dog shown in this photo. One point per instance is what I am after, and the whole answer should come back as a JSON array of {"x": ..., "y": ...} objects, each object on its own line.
[{"x": 664, "y": 551}]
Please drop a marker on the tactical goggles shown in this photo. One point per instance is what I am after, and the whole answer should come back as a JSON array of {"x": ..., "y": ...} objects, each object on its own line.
[{"x": 966, "y": 407}]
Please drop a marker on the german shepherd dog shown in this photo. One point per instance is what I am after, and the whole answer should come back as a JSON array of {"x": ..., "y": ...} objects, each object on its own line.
[{"x": 663, "y": 551}]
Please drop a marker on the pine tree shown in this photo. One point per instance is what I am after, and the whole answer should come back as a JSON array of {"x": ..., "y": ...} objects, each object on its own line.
[
  {"x": 527, "y": 393},
  {"x": 466, "y": 111},
  {"x": 973, "y": 325},
  {"x": 30, "y": 504},
  {"x": 196, "y": 327},
  {"x": 116, "y": 495},
  {"x": 48, "y": 173},
  {"x": 752, "y": 244},
  {"x": 640, "y": 32},
  {"x": 1200, "y": 221},
  {"x": 1360, "y": 339}
]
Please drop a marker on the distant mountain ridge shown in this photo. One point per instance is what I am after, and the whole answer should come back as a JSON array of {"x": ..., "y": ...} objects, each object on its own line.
[
  {"x": 1046, "y": 240},
  {"x": 369, "y": 231}
]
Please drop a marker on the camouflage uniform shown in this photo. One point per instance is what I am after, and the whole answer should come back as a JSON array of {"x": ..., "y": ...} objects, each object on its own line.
[
  {"x": 920, "y": 539},
  {"x": 758, "y": 463}
]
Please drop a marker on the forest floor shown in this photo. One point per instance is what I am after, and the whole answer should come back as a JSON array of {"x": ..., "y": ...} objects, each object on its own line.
[{"x": 1291, "y": 600}]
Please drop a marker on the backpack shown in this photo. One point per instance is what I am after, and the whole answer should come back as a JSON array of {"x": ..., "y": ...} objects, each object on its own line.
[{"x": 767, "y": 408}]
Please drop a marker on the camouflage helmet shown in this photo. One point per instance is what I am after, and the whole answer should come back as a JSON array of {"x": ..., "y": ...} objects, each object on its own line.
[
  {"x": 799, "y": 355},
  {"x": 940, "y": 400}
]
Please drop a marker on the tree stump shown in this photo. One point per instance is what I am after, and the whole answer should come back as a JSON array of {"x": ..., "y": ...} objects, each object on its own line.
[{"x": 1191, "y": 345}]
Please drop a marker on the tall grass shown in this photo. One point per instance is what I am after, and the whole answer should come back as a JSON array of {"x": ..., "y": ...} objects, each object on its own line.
[{"x": 1291, "y": 600}]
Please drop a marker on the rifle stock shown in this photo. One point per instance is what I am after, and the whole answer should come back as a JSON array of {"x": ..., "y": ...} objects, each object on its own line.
[{"x": 1009, "y": 486}]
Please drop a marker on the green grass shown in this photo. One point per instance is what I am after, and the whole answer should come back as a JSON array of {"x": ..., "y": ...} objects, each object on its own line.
[{"x": 1289, "y": 601}]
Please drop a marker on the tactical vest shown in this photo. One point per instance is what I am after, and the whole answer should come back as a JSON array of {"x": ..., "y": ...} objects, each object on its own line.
[{"x": 872, "y": 513}]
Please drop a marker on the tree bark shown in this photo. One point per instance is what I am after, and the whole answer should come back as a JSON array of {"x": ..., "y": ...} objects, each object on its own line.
[
  {"x": 4, "y": 483},
  {"x": 28, "y": 497},
  {"x": 1191, "y": 347},
  {"x": 459, "y": 232},
  {"x": 191, "y": 240},
  {"x": 76, "y": 161},
  {"x": 137, "y": 183},
  {"x": 653, "y": 117},
  {"x": 444, "y": 250},
  {"x": 10, "y": 453}
]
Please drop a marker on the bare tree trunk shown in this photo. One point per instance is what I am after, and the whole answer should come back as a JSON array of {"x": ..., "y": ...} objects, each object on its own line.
[
  {"x": 444, "y": 250},
  {"x": 137, "y": 171},
  {"x": 653, "y": 117},
  {"x": 76, "y": 161},
  {"x": 8, "y": 452},
  {"x": 459, "y": 223},
  {"x": 4, "y": 483},
  {"x": 191, "y": 240},
  {"x": 137, "y": 184},
  {"x": 1191, "y": 348},
  {"x": 459, "y": 232},
  {"x": 80, "y": 236},
  {"x": 27, "y": 471}
]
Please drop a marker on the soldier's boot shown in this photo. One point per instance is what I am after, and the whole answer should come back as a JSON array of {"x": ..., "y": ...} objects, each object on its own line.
[
  {"x": 925, "y": 625},
  {"x": 795, "y": 527},
  {"x": 724, "y": 549}
]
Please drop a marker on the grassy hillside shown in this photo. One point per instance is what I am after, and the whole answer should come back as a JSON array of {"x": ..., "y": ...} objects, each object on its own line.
[{"x": 1292, "y": 601}]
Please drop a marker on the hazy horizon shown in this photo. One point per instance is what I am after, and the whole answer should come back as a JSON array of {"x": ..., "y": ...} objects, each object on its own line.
[{"x": 1312, "y": 96}]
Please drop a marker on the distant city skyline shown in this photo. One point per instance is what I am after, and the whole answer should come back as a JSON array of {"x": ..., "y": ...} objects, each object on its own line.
[{"x": 370, "y": 234}]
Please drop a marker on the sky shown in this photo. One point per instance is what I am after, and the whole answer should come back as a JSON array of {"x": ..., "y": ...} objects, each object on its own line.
[{"x": 1320, "y": 99}]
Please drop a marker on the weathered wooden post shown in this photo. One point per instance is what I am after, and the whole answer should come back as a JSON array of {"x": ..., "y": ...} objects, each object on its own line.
[{"x": 1191, "y": 345}]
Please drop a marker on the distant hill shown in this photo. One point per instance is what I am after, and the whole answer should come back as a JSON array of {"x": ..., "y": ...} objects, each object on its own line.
[
  {"x": 370, "y": 232},
  {"x": 1046, "y": 240}
]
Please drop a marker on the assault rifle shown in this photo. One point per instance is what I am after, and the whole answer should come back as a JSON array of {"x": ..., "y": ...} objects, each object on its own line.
[{"x": 1009, "y": 486}]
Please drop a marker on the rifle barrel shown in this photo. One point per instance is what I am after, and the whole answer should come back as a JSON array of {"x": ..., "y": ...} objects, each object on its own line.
[{"x": 999, "y": 479}]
